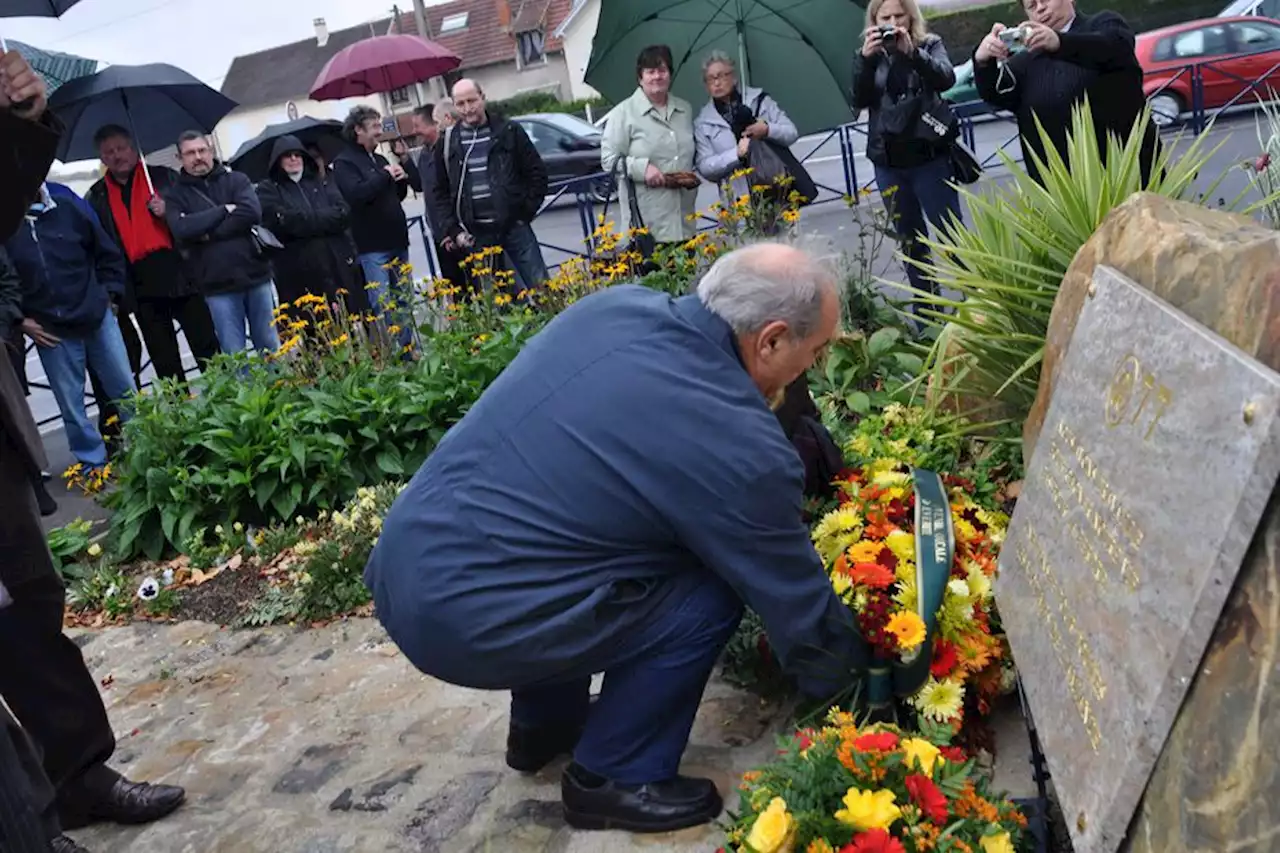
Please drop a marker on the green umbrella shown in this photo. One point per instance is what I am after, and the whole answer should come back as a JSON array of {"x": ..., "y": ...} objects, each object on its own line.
[
  {"x": 56, "y": 68},
  {"x": 799, "y": 51}
]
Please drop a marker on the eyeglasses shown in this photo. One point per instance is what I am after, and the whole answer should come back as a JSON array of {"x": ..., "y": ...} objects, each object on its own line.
[{"x": 723, "y": 75}]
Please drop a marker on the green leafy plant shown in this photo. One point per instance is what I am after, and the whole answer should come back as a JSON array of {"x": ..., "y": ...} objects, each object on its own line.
[
  {"x": 99, "y": 586},
  {"x": 1009, "y": 260},
  {"x": 69, "y": 543},
  {"x": 276, "y": 604},
  {"x": 864, "y": 373}
]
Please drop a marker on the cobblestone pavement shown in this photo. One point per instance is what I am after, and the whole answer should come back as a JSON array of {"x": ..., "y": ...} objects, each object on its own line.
[{"x": 327, "y": 740}]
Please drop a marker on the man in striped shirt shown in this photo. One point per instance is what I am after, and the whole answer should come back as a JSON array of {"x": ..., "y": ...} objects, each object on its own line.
[{"x": 490, "y": 183}]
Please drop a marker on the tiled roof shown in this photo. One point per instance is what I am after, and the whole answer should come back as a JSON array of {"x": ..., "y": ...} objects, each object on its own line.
[
  {"x": 286, "y": 72},
  {"x": 489, "y": 37}
]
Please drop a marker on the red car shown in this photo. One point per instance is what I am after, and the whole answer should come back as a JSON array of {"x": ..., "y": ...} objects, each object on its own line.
[{"x": 1230, "y": 52}]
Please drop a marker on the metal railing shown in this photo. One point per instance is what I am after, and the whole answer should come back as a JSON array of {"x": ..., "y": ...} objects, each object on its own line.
[{"x": 1196, "y": 118}]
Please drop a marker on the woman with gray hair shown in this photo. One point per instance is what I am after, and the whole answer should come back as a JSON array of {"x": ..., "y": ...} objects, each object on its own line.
[{"x": 731, "y": 122}]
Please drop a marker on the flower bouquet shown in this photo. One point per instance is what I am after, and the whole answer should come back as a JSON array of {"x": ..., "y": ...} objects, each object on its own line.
[
  {"x": 844, "y": 789},
  {"x": 913, "y": 556}
]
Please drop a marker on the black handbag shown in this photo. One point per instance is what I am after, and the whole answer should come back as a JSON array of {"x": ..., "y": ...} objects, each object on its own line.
[
  {"x": 964, "y": 163},
  {"x": 644, "y": 243},
  {"x": 779, "y": 160}
]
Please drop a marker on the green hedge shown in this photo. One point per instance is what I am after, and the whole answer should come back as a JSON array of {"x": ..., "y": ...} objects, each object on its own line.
[
  {"x": 545, "y": 102},
  {"x": 963, "y": 29}
]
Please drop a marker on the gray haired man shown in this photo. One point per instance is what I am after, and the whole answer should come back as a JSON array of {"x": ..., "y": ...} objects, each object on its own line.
[{"x": 588, "y": 471}]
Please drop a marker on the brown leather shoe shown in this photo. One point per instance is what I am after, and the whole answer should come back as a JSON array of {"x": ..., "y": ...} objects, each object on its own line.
[{"x": 128, "y": 802}]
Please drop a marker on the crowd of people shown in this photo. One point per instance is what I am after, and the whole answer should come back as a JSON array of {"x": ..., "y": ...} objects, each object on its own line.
[{"x": 586, "y": 470}]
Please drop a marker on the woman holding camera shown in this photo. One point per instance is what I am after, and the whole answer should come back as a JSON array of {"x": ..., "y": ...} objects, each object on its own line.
[{"x": 897, "y": 75}]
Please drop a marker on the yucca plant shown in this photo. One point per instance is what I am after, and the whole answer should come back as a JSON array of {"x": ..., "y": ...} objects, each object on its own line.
[{"x": 1008, "y": 261}]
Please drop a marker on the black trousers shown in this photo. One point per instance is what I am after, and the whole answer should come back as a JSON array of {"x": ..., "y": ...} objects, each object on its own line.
[
  {"x": 28, "y": 818},
  {"x": 43, "y": 677},
  {"x": 156, "y": 317}
]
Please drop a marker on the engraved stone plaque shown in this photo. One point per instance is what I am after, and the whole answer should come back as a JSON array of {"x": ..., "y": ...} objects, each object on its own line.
[{"x": 1159, "y": 452}]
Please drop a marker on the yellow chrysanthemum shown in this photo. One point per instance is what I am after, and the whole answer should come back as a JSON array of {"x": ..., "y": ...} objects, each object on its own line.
[
  {"x": 965, "y": 532},
  {"x": 979, "y": 584},
  {"x": 861, "y": 445},
  {"x": 881, "y": 465},
  {"x": 841, "y": 584},
  {"x": 906, "y": 571},
  {"x": 895, "y": 493},
  {"x": 843, "y": 520},
  {"x": 902, "y": 544},
  {"x": 773, "y": 829},
  {"x": 908, "y": 628},
  {"x": 940, "y": 700},
  {"x": 891, "y": 478},
  {"x": 906, "y": 596},
  {"x": 920, "y": 752},
  {"x": 869, "y": 809}
]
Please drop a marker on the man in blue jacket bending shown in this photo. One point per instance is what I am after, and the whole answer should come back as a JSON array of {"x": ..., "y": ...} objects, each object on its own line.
[
  {"x": 69, "y": 268},
  {"x": 607, "y": 506}
]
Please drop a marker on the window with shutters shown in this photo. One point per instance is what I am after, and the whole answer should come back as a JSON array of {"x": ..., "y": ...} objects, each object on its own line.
[{"x": 531, "y": 48}]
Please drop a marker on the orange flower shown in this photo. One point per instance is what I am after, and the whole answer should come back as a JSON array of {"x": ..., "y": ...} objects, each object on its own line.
[{"x": 872, "y": 575}]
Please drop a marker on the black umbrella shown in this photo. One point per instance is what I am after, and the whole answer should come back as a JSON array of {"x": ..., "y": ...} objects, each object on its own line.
[
  {"x": 254, "y": 157},
  {"x": 155, "y": 103},
  {"x": 32, "y": 9}
]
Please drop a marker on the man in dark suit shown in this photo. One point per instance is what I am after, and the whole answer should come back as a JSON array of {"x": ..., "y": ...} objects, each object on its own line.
[
  {"x": 1068, "y": 57},
  {"x": 46, "y": 686}
]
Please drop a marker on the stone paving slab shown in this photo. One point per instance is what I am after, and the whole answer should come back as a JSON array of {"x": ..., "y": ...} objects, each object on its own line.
[{"x": 326, "y": 741}]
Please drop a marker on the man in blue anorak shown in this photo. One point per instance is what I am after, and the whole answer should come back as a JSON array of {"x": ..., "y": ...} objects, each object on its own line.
[{"x": 608, "y": 506}]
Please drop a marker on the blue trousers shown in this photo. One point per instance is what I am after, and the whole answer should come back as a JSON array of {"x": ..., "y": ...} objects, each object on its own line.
[
  {"x": 523, "y": 252},
  {"x": 230, "y": 312},
  {"x": 65, "y": 364},
  {"x": 389, "y": 291},
  {"x": 916, "y": 197},
  {"x": 637, "y": 730}
]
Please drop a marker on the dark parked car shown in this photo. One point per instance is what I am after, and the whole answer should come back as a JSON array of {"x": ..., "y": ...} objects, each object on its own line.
[{"x": 570, "y": 147}]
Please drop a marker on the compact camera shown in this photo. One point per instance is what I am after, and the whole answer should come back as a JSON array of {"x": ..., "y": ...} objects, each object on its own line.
[
  {"x": 1015, "y": 38},
  {"x": 888, "y": 34}
]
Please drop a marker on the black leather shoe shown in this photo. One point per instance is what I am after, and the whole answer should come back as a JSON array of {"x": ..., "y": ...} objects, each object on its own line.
[
  {"x": 63, "y": 844},
  {"x": 594, "y": 803},
  {"x": 531, "y": 749},
  {"x": 128, "y": 802}
]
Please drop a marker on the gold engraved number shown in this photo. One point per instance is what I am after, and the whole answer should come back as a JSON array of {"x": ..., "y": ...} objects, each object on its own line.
[
  {"x": 1121, "y": 391},
  {"x": 1130, "y": 378}
]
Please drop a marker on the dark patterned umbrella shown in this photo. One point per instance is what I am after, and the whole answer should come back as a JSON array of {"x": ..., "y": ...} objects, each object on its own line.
[{"x": 254, "y": 157}]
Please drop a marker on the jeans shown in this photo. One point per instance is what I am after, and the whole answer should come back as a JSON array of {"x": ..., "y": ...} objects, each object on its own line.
[
  {"x": 65, "y": 365},
  {"x": 523, "y": 253},
  {"x": 916, "y": 197},
  {"x": 389, "y": 293},
  {"x": 230, "y": 311},
  {"x": 638, "y": 729}
]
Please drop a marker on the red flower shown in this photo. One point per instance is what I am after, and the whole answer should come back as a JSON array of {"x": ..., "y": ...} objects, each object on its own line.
[
  {"x": 954, "y": 754},
  {"x": 874, "y": 841},
  {"x": 878, "y": 742},
  {"x": 925, "y": 794},
  {"x": 887, "y": 559},
  {"x": 1261, "y": 164},
  {"x": 945, "y": 658},
  {"x": 804, "y": 738}
]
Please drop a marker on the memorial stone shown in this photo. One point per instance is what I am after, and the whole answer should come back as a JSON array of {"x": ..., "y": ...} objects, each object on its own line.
[{"x": 1159, "y": 452}]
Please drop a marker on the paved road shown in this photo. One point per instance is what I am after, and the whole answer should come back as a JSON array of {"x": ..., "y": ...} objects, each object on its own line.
[{"x": 560, "y": 231}]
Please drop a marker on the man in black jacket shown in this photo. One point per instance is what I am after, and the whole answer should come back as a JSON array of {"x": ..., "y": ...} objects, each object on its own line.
[
  {"x": 490, "y": 183},
  {"x": 131, "y": 210},
  {"x": 212, "y": 212},
  {"x": 420, "y": 164},
  {"x": 1068, "y": 57},
  {"x": 375, "y": 189}
]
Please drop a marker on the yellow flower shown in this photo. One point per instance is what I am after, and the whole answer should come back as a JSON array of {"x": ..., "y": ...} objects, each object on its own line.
[
  {"x": 940, "y": 701},
  {"x": 996, "y": 843},
  {"x": 95, "y": 550},
  {"x": 819, "y": 846},
  {"x": 979, "y": 584},
  {"x": 908, "y": 628},
  {"x": 865, "y": 552},
  {"x": 772, "y": 831},
  {"x": 869, "y": 809},
  {"x": 902, "y": 544},
  {"x": 920, "y": 752}
]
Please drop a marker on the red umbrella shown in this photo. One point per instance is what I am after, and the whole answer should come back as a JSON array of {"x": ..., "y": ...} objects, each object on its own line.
[{"x": 382, "y": 64}]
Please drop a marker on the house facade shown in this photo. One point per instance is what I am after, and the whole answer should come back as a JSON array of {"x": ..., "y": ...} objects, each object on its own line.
[
  {"x": 577, "y": 32},
  {"x": 509, "y": 47}
]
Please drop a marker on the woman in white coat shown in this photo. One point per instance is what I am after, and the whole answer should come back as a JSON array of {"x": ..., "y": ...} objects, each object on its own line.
[{"x": 732, "y": 121}]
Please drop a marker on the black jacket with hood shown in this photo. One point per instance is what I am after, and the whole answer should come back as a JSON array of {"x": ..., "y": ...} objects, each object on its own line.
[
  {"x": 378, "y": 223},
  {"x": 517, "y": 179},
  {"x": 221, "y": 254},
  {"x": 311, "y": 218}
]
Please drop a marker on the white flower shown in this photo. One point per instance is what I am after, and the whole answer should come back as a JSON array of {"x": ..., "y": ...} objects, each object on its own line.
[
  {"x": 958, "y": 588},
  {"x": 218, "y": 530},
  {"x": 111, "y": 591},
  {"x": 167, "y": 577},
  {"x": 149, "y": 589},
  {"x": 95, "y": 550},
  {"x": 238, "y": 527}
]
